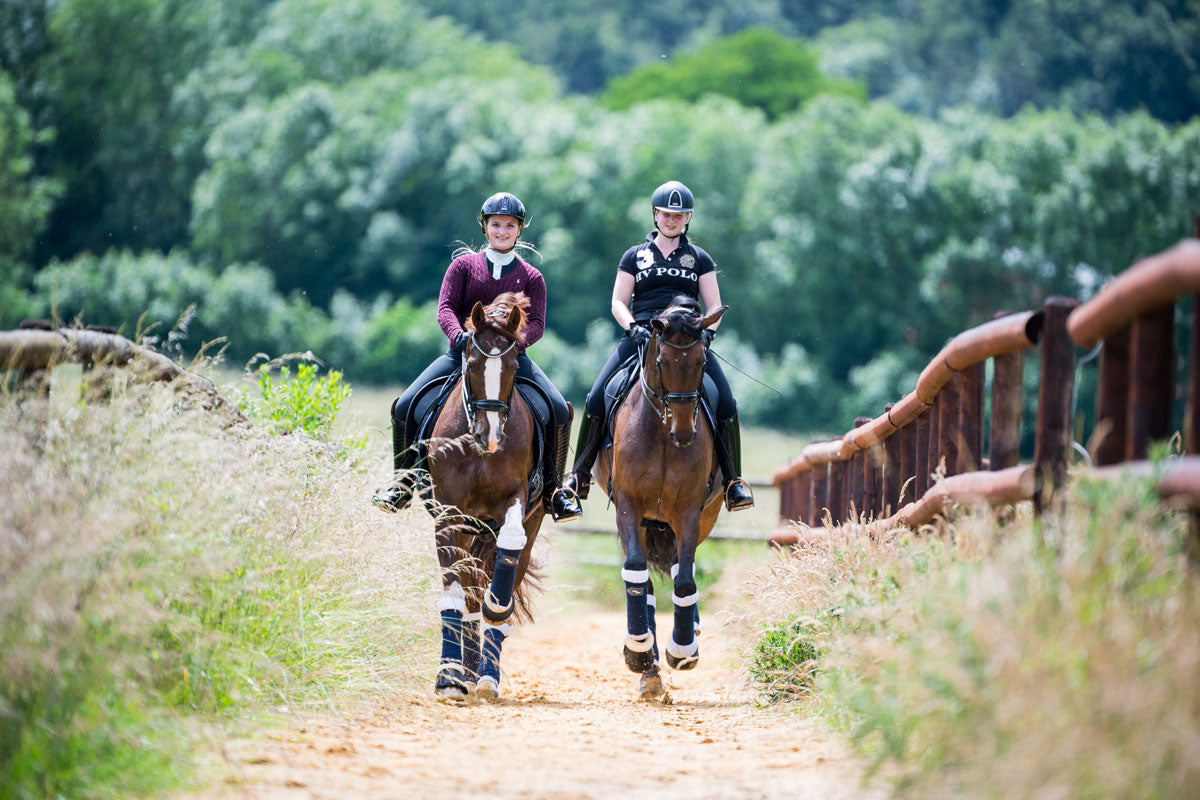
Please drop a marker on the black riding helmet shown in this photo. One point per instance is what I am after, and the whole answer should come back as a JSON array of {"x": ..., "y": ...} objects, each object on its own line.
[
  {"x": 502, "y": 203},
  {"x": 672, "y": 196}
]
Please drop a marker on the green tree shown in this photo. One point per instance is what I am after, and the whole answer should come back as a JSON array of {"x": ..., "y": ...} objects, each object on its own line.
[
  {"x": 25, "y": 201},
  {"x": 110, "y": 74},
  {"x": 757, "y": 67}
]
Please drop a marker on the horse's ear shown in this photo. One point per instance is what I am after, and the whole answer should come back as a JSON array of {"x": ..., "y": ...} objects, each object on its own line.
[
  {"x": 711, "y": 319},
  {"x": 658, "y": 324},
  {"x": 514, "y": 318},
  {"x": 478, "y": 321}
]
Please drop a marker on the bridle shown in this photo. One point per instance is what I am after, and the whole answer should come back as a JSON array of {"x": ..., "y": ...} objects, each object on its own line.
[
  {"x": 472, "y": 405},
  {"x": 661, "y": 403}
]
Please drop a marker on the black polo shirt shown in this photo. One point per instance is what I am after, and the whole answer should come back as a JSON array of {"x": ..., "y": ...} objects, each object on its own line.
[{"x": 657, "y": 280}]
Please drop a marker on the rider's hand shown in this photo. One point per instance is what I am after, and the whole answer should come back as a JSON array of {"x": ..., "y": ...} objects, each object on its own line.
[
  {"x": 461, "y": 339},
  {"x": 640, "y": 335},
  {"x": 708, "y": 334}
]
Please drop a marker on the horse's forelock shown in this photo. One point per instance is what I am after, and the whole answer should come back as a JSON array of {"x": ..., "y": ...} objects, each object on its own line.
[
  {"x": 496, "y": 314},
  {"x": 681, "y": 319}
]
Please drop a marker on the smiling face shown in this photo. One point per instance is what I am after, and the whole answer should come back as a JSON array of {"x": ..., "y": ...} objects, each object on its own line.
[
  {"x": 671, "y": 223},
  {"x": 502, "y": 232}
]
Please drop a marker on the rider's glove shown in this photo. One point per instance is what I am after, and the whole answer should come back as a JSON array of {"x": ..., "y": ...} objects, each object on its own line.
[
  {"x": 708, "y": 334},
  {"x": 640, "y": 335},
  {"x": 460, "y": 340}
]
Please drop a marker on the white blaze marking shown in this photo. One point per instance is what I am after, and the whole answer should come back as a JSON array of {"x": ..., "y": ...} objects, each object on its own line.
[
  {"x": 491, "y": 388},
  {"x": 512, "y": 532}
]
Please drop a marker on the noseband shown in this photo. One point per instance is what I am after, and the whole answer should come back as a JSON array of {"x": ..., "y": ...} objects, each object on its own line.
[
  {"x": 471, "y": 405},
  {"x": 661, "y": 403}
]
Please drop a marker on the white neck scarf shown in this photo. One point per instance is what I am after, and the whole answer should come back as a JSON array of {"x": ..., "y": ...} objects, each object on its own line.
[{"x": 499, "y": 260}]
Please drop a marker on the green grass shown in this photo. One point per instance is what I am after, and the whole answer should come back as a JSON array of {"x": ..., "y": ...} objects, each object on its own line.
[
  {"x": 1008, "y": 657},
  {"x": 162, "y": 569}
]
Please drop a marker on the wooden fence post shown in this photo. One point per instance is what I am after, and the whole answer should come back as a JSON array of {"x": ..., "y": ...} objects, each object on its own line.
[
  {"x": 1055, "y": 388},
  {"x": 949, "y": 422},
  {"x": 1151, "y": 380},
  {"x": 873, "y": 479},
  {"x": 1112, "y": 398},
  {"x": 935, "y": 439},
  {"x": 858, "y": 478},
  {"x": 1004, "y": 437},
  {"x": 970, "y": 419},
  {"x": 801, "y": 489},
  {"x": 892, "y": 478},
  {"x": 837, "y": 491},
  {"x": 924, "y": 438},
  {"x": 908, "y": 436},
  {"x": 817, "y": 489}
]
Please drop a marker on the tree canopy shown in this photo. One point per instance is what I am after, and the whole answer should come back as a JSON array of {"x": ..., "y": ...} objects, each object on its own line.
[{"x": 294, "y": 175}]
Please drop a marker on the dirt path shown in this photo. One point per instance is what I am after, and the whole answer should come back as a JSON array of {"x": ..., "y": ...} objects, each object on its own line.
[{"x": 568, "y": 728}]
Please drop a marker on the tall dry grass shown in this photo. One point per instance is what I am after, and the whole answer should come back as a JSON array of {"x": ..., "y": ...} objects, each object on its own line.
[
  {"x": 1009, "y": 657},
  {"x": 159, "y": 565}
]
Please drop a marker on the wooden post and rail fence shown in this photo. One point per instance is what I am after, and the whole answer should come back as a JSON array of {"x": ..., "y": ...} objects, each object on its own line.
[{"x": 929, "y": 444}]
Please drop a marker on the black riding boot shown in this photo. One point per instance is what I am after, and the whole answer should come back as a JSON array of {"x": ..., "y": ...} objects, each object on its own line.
[
  {"x": 408, "y": 478},
  {"x": 561, "y": 501},
  {"x": 587, "y": 446},
  {"x": 729, "y": 450}
]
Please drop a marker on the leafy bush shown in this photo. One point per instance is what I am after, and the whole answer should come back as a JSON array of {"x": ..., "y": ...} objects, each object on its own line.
[
  {"x": 303, "y": 402},
  {"x": 785, "y": 659}
]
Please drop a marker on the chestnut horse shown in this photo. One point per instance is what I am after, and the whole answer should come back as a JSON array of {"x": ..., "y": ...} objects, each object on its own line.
[
  {"x": 661, "y": 475},
  {"x": 480, "y": 458}
]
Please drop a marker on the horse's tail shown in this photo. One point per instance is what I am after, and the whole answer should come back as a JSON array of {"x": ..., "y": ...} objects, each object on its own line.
[
  {"x": 660, "y": 546},
  {"x": 483, "y": 548}
]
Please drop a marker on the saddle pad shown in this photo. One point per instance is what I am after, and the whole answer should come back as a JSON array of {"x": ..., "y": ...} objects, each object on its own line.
[
  {"x": 428, "y": 405},
  {"x": 617, "y": 388}
]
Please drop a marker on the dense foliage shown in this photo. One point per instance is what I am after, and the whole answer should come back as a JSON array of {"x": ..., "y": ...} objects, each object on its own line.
[{"x": 294, "y": 175}]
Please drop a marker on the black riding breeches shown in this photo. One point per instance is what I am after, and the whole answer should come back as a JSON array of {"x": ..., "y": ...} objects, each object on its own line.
[
  {"x": 531, "y": 372},
  {"x": 441, "y": 367},
  {"x": 726, "y": 405}
]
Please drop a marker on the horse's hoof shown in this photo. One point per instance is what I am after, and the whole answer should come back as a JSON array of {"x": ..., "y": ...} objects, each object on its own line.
[
  {"x": 651, "y": 687},
  {"x": 487, "y": 690},
  {"x": 454, "y": 694},
  {"x": 638, "y": 662},
  {"x": 684, "y": 663}
]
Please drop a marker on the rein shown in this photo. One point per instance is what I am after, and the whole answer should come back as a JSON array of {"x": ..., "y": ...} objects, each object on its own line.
[{"x": 661, "y": 403}]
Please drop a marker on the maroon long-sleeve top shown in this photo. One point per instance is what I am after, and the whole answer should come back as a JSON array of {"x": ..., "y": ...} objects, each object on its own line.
[{"x": 469, "y": 280}]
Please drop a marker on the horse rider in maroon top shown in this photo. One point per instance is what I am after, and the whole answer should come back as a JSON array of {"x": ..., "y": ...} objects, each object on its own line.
[{"x": 481, "y": 277}]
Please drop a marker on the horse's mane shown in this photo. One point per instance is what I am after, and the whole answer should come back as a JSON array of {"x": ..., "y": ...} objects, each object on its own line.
[
  {"x": 500, "y": 308},
  {"x": 683, "y": 314}
]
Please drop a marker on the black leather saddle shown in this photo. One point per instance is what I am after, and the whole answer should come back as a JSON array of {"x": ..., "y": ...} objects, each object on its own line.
[
  {"x": 623, "y": 381},
  {"x": 431, "y": 399}
]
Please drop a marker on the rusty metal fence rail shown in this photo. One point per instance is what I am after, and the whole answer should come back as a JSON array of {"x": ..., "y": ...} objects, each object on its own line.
[{"x": 925, "y": 451}]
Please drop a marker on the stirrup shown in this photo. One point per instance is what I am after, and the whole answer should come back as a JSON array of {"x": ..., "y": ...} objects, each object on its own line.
[
  {"x": 564, "y": 504},
  {"x": 392, "y": 498},
  {"x": 578, "y": 485},
  {"x": 738, "y": 496}
]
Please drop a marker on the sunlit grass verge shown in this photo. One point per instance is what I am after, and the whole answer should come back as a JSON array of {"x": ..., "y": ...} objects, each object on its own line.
[
  {"x": 1020, "y": 658},
  {"x": 161, "y": 568}
]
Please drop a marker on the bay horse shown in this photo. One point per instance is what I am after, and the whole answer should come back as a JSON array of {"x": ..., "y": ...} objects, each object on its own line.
[
  {"x": 481, "y": 454},
  {"x": 660, "y": 476}
]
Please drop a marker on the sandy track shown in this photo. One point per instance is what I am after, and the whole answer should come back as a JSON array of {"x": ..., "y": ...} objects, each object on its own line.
[{"x": 568, "y": 728}]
